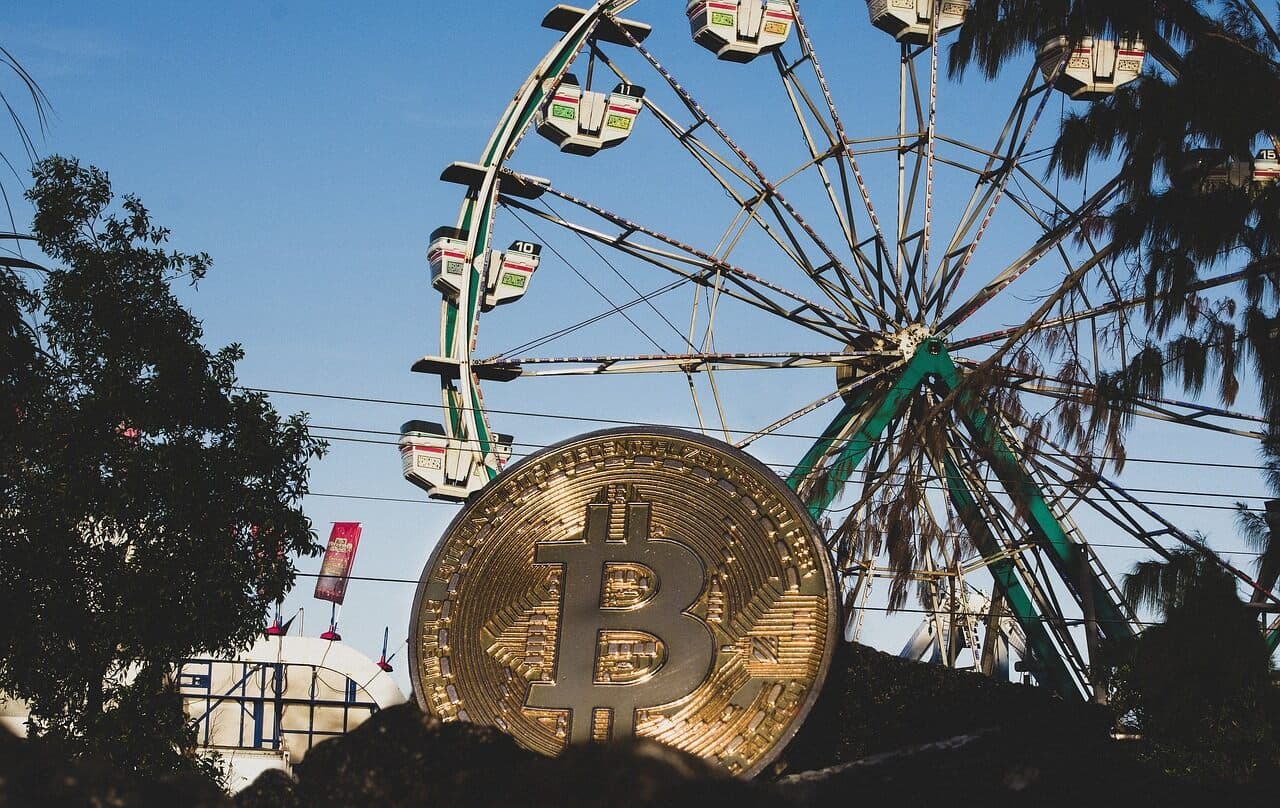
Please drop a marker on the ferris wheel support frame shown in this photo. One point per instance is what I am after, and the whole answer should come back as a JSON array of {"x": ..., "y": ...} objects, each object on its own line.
[
  {"x": 1010, "y": 538},
  {"x": 933, "y": 366}
]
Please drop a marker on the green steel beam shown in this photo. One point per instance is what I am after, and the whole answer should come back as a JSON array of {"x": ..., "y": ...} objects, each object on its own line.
[
  {"x": 812, "y": 460},
  {"x": 856, "y": 448},
  {"x": 932, "y": 363},
  {"x": 1055, "y": 673},
  {"x": 1045, "y": 527}
]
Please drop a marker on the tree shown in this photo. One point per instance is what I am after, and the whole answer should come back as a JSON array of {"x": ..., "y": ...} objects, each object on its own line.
[
  {"x": 1262, "y": 532},
  {"x": 150, "y": 504},
  {"x": 1199, "y": 683},
  {"x": 1169, "y": 131}
]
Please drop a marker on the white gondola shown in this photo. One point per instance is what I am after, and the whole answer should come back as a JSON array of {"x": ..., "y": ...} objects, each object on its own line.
[
  {"x": 740, "y": 30},
  {"x": 509, "y": 273},
  {"x": 1096, "y": 67},
  {"x": 1266, "y": 167},
  {"x": 448, "y": 258},
  {"x": 909, "y": 20},
  {"x": 584, "y": 122},
  {"x": 502, "y": 448},
  {"x": 1230, "y": 173},
  {"x": 444, "y": 468}
]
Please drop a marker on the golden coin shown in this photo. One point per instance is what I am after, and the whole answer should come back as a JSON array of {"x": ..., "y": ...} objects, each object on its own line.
[{"x": 632, "y": 581}]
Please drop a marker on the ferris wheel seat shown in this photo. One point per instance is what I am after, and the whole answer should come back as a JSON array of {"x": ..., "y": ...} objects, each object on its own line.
[
  {"x": 502, "y": 448},
  {"x": 521, "y": 186},
  {"x": 1227, "y": 173},
  {"x": 608, "y": 29},
  {"x": 443, "y": 467},
  {"x": 447, "y": 255},
  {"x": 584, "y": 122},
  {"x": 1266, "y": 167},
  {"x": 509, "y": 272},
  {"x": 740, "y": 30},
  {"x": 1095, "y": 68},
  {"x": 910, "y": 20},
  {"x": 446, "y": 367}
]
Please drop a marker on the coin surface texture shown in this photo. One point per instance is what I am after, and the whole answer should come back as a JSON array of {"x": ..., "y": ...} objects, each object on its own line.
[{"x": 638, "y": 581}]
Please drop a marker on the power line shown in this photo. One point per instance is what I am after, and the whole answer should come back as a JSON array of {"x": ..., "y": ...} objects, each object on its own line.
[
  {"x": 785, "y": 467},
  {"x": 442, "y": 503},
  {"x": 594, "y": 288},
  {"x": 885, "y": 609},
  {"x": 694, "y": 428}
]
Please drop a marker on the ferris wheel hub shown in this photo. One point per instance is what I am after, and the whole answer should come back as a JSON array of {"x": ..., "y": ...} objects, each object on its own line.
[{"x": 909, "y": 339}]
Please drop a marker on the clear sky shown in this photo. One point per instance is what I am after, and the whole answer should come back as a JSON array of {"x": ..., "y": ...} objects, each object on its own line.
[{"x": 300, "y": 144}]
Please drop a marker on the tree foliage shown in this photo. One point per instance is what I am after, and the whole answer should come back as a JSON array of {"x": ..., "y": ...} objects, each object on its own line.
[
  {"x": 150, "y": 505},
  {"x": 1167, "y": 131},
  {"x": 1199, "y": 684}
]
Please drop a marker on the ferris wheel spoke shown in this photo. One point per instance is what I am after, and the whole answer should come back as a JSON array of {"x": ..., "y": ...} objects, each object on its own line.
[
  {"x": 983, "y": 190},
  {"x": 695, "y": 257},
  {"x": 704, "y": 270},
  {"x": 930, "y": 144},
  {"x": 841, "y": 202},
  {"x": 848, "y": 389},
  {"x": 780, "y": 230},
  {"x": 1091, "y": 477},
  {"x": 510, "y": 367},
  {"x": 839, "y": 146},
  {"x": 564, "y": 331},
  {"x": 774, "y": 198},
  {"x": 988, "y": 193},
  {"x": 1030, "y": 258},
  {"x": 1177, "y": 412},
  {"x": 906, "y": 260}
]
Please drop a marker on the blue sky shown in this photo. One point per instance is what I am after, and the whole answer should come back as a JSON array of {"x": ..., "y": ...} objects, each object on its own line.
[{"x": 300, "y": 144}]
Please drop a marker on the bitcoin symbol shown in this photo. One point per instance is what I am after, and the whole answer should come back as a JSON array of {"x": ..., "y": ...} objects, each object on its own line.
[{"x": 596, "y": 672}]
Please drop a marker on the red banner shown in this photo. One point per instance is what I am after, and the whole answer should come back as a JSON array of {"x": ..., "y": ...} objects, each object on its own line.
[{"x": 339, "y": 557}]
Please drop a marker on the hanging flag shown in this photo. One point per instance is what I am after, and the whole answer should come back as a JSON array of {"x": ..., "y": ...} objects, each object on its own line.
[{"x": 339, "y": 557}]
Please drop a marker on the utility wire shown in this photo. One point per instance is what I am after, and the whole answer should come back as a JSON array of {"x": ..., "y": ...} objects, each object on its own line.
[
  {"x": 885, "y": 609},
  {"x": 782, "y": 467},
  {"x": 618, "y": 422},
  {"x": 776, "y": 466},
  {"x": 588, "y": 282}
]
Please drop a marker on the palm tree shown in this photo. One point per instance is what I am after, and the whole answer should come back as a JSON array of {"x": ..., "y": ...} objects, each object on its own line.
[
  {"x": 1185, "y": 579},
  {"x": 1198, "y": 684},
  {"x": 1262, "y": 532},
  {"x": 1214, "y": 103}
]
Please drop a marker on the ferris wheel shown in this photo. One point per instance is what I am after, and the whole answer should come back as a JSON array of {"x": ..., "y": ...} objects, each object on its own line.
[{"x": 907, "y": 278}]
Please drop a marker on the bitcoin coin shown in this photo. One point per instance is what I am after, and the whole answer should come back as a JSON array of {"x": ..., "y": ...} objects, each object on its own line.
[{"x": 638, "y": 581}]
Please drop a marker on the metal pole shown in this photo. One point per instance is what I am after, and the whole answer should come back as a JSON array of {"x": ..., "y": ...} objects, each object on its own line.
[{"x": 1097, "y": 676}]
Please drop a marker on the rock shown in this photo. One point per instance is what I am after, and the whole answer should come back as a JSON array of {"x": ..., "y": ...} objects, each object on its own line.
[
  {"x": 272, "y": 789},
  {"x": 635, "y": 773},
  {"x": 401, "y": 756},
  {"x": 1000, "y": 767},
  {"x": 874, "y": 702}
]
